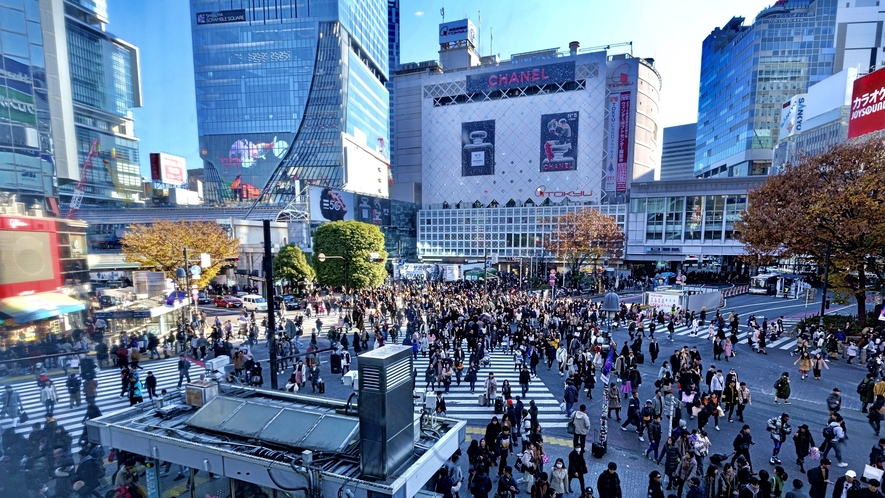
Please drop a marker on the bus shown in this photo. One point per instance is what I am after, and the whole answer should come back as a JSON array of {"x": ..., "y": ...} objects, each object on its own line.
[{"x": 764, "y": 284}]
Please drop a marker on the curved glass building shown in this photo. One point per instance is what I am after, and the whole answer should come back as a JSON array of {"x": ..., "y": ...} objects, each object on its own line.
[{"x": 291, "y": 92}]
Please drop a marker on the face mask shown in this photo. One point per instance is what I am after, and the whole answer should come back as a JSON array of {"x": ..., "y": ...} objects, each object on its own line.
[{"x": 558, "y": 465}]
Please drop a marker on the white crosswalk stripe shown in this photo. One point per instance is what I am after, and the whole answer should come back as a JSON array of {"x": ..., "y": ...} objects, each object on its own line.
[
  {"x": 784, "y": 343},
  {"x": 108, "y": 399},
  {"x": 462, "y": 405}
]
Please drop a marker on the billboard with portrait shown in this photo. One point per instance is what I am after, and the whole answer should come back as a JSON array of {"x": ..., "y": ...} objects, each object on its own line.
[
  {"x": 245, "y": 162},
  {"x": 559, "y": 142},
  {"x": 478, "y": 148},
  {"x": 330, "y": 205},
  {"x": 372, "y": 210}
]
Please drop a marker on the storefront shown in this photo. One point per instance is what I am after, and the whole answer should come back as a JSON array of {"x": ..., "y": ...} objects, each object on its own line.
[
  {"x": 140, "y": 317},
  {"x": 29, "y": 319}
]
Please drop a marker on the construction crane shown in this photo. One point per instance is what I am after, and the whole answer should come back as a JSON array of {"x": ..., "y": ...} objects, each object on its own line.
[{"x": 80, "y": 189}]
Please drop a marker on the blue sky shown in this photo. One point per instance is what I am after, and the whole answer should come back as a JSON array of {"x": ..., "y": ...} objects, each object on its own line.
[{"x": 671, "y": 31}]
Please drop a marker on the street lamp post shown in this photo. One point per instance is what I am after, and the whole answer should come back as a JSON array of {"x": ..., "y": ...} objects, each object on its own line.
[
  {"x": 321, "y": 257},
  {"x": 823, "y": 297}
]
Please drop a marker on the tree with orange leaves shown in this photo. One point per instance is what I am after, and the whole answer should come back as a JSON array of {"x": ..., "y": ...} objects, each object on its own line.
[
  {"x": 835, "y": 198},
  {"x": 586, "y": 235}
]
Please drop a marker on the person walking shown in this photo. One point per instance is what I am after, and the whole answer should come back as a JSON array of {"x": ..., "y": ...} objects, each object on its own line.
[
  {"x": 491, "y": 387},
  {"x": 744, "y": 399},
  {"x": 865, "y": 390},
  {"x": 608, "y": 484},
  {"x": 135, "y": 394},
  {"x": 614, "y": 401},
  {"x": 570, "y": 397},
  {"x": 654, "y": 437},
  {"x": 778, "y": 428},
  {"x": 655, "y": 486},
  {"x": 12, "y": 405},
  {"x": 804, "y": 362},
  {"x": 834, "y": 436},
  {"x": 525, "y": 378},
  {"x": 782, "y": 388},
  {"x": 581, "y": 422},
  {"x": 818, "y": 364},
  {"x": 577, "y": 467},
  {"x": 150, "y": 382},
  {"x": 671, "y": 455},
  {"x": 184, "y": 367},
  {"x": 559, "y": 478},
  {"x": 73, "y": 385},
  {"x": 803, "y": 441},
  {"x": 730, "y": 398},
  {"x": 847, "y": 485},
  {"x": 687, "y": 468},
  {"x": 819, "y": 479},
  {"x": 49, "y": 396},
  {"x": 633, "y": 415},
  {"x": 876, "y": 413},
  {"x": 741, "y": 445},
  {"x": 834, "y": 401}
]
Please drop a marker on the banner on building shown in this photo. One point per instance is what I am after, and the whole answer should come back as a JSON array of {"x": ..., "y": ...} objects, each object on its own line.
[
  {"x": 611, "y": 159},
  {"x": 867, "y": 105},
  {"x": 559, "y": 142},
  {"x": 623, "y": 139},
  {"x": 478, "y": 148}
]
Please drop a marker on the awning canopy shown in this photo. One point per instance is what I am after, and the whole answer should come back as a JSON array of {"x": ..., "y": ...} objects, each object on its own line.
[{"x": 24, "y": 309}]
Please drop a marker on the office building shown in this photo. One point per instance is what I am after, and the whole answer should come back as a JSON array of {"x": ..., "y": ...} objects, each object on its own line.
[
  {"x": 393, "y": 37},
  {"x": 748, "y": 71},
  {"x": 464, "y": 150},
  {"x": 677, "y": 152},
  {"x": 27, "y": 155},
  {"x": 291, "y": 94},
  {"x": 97, "y": 77}
]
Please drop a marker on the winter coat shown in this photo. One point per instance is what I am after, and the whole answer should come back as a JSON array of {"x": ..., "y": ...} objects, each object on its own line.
[
  {"x": 12, "y": 403},
  {"x": 687, "y": 468},
  {"x": 782, "y": 388},
  {"x": 614, "y": 398},
  {"x": 582, "y": 423},
  {"x": 671, "y": 456},
  {"x": 48, "y": 393}
]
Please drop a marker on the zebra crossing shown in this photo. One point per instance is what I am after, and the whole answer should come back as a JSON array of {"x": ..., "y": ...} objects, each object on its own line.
[
  {"x": 462, "y": 405},
  {"x": 785, "y": 343},
  {"x": 108, "y": 399}
]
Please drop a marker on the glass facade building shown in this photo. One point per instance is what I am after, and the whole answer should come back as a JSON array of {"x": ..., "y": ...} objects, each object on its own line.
[
  {"x": 392, "y": 65},
  {"x": 747, "y": 72},
  {"x": 277, "y": 86},
  {"x": 103, "y": 74},
  {"x": 27, "y": 164}
]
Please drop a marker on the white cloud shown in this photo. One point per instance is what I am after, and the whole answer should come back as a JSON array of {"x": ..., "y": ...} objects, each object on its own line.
[{"x": 419, "y": 13}]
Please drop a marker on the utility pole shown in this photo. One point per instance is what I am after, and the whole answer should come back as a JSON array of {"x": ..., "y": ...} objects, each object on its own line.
[
  {"x": 271, "y": 318},
  {"x": 187, "y": 289},
  {"x": 823, "y": 297}
]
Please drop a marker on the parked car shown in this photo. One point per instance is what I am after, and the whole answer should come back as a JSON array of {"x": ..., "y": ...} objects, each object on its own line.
[
  {"x": 292, "y": 302},
  {"x": 254, "y": 302},
  {"x": 228, "y": 302},
  {"x": 203, "y": 298}
]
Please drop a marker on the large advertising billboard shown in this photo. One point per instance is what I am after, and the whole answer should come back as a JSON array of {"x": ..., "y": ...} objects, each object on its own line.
[
  {"x": 456, "y": 31},
  {"x": 612, "y": 125},
  {"x": 28, "y": 256},
  {"x": 245, "y": 162},
  {"x": 328, "y": 204},
  {"x": 523, "y": 76},
  {"x": 559, "y": 142},
  {"x": 478, "y": 148},
  {"x": 867, "y": 105},
  {"x": 168, "y": 169}
]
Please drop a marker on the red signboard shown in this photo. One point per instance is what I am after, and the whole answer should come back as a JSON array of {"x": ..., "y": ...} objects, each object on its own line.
[
  {"x": 867, "y": 105},
  {"x": 168, "y": 169},
  {"x": 28, "y": 256}
]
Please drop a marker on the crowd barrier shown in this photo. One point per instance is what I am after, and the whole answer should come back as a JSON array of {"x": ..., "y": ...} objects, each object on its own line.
[{"x": 736, "y": 291}]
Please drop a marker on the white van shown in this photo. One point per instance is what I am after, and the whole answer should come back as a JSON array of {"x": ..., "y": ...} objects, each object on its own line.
[{"x": 254, "y": 302}]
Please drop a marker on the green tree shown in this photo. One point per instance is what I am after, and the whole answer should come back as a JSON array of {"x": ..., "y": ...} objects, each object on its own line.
[
  {"x": 290, "y": 265},
  {"x": 159, "y": 246},
  {"x": 354, "y": 242}
]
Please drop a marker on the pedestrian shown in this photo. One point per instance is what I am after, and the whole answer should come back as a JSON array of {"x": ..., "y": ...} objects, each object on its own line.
[
  {"x": 614, "y": 401},
  {"x": 687, "y": 468},
  {"x": 49, "y": 396},
  {"x": 440, "y": 407},
  {"x": 797, "y": 492},
  {"x": 655, "y": 486},
  {"x": 524, "y": 379},
  {"x": 834, "y": 401},
  {"x": 570, "y": 397},
  {"x": 491, "y": 387},
  {"x": 695, "y": 490},
  {"x": 778, "y": 428},
  {"x": 671, "y": 455},
  {"x": 90, "y": 389},
  {"x": 834, "y": 437},
  {"x": 803, "y": 441},
  {"x": 744, "y": 399},
  {"x": 819, "y": 478},
  {"x": 608, "y": 484},
  {"x": 805, "y": 364},
  {"x": 73, "y": 385},
  {"x": 654, "y": 437},
  {"x": 507, "y": 485},
  {"x": 314, "y": 377},
  {"x": 875, "y": 414},
  {"x": 741, "y": 445},
  {"x": 581, "y": 423},
  {"x": 633, "y": 415},
  {"x": 183, "y": 369},
  {"x": 782, "y": 388},
  {"x": 135, "y": 394},
  {"x": 865, "y": 390},
  {"x": 577, "y": 467},
  {"x": 872, "y": 490},
  {"x": 818, "y": 364},
  {"x": 751, "y": 489},
  {"x": 847, "y": 486},
  {"x": 12, "y": 405},
  {"x": 479, "y": 483},
  {"x": 559, "y": 478},
  {"x": 730, "y": 399},
  {"x": 150, "y": 383}
]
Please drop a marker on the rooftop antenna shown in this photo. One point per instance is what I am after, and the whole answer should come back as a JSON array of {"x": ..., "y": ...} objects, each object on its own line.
[
  {"x": 491, "y": 42},
  {"x": 479, "y": 34},
  {"x": 442, "y": 12}
]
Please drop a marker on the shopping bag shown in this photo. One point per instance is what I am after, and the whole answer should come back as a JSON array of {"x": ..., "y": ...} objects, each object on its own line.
[
  {"x": 626, "y": 387},
  {"x": 688, "y": 397},
  {"x": 813, "y": 453},
  {"x": 870, "y": 472}
]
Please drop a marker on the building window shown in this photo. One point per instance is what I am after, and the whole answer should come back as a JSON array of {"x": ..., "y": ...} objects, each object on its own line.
[
  {"x": 734, "y": 206},
  {"x": 654, "y": 226},
  {"x": 673, "y": 230},
  {"x": 713, "y": 217},
  {"x": 694, "y": 216}
]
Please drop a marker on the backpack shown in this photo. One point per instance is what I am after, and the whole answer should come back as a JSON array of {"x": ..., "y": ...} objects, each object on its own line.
[
  {"x": 862, "y": 387},
  {"x": 779, "y": 383},
  {"x": 829, "y": 433}
]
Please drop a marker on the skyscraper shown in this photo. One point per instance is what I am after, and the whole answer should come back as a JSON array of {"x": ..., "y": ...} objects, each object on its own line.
[
  {"x": 392, "y": 64},
  {"x": 677, "y": 152},
  {"x": 747, "y": 72},
  {"x": 27, "y": 162},
  {"x": 98, "y": 86},
  {"x": 290, "y": 95}
]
